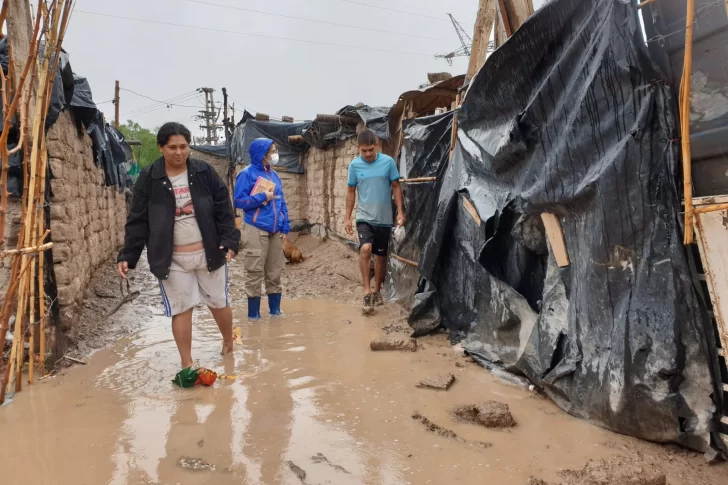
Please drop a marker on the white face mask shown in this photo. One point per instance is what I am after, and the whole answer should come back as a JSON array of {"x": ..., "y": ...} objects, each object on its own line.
[{"x": 274, "y": 159}]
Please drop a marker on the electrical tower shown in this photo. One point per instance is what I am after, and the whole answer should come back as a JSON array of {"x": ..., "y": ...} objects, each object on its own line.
[
  {"x": 209, "y": 117},
  {"x": 465, "y": 43}
]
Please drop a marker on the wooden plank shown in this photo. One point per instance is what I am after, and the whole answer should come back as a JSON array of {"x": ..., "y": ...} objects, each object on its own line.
[
  {"x": 556, "y": 238},
  {"x": 472, "y": 211},
  {"x": 505, "y": 21},
  {"x": 712, "y": 238}
]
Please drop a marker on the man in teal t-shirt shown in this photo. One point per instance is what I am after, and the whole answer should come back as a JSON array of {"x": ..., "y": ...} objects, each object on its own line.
[{"x": 374, "y": 176}]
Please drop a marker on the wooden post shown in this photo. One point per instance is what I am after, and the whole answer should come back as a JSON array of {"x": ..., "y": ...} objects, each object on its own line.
[
  {"x": 116, "y": 105},
  {"x": 481, "y": 37},
  {"x": 503, "y": 12},
  {"x": 225, "y": 120}
]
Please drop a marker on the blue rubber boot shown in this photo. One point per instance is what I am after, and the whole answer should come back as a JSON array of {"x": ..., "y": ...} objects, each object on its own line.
[
  {"x": 274, "y": 303},
  {"x": 254, "y": 308}
]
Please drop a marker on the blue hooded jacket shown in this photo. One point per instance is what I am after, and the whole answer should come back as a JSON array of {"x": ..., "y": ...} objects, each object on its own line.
[{"x": 273, "y": 216}]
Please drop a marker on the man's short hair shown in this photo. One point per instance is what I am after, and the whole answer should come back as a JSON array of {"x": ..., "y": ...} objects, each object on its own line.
[{"x": 366, "y": 138}]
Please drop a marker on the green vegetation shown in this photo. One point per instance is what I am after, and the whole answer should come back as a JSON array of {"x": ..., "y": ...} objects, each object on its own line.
[{"x": 148, "y": 152}]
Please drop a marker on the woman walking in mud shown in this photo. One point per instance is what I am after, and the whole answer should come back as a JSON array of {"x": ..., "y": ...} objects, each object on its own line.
[
  {"x": 181, "y": 212},
  {"x": 259, "y": 192}
]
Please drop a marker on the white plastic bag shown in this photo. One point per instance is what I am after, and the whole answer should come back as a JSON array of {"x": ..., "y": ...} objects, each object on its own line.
[{"x": 399, "y": 234}]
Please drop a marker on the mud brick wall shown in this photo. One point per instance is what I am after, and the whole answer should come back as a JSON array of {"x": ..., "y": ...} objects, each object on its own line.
[
  {"x": 294, "y": 189},
  {"x": 12, "y": 229},
  {"x": 87, "y": 218},
  {"x": 326, "y": 185},
  {"x": 220, "y": 164}
]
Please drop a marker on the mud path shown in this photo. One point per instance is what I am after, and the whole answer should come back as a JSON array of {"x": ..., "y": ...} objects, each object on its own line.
[{"x": 311, "y": 404}]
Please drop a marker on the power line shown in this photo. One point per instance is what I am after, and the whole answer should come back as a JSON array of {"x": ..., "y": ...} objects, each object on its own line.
[
  {"x": 211, "y": 29},
  {"x": 156, "y": 100},
  {"x": 163, "y": 104},
  {"x": 411, "y": 7},
  {"x": 155, "y": 107},
  {"x": 393, "y": 10},
  {"x": 348, "y": 26}
]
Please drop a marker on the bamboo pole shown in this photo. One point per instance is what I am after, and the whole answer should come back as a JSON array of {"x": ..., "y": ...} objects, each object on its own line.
[
  {"x": 8, "y": 112},
  {"x": 28, "y": 250},
  {"x": 41, "y": 310},
  {"x": 685, "y": 87},
  {"x": 645, "y": 3},
  {"x": 60, "y": 23},
  {"x": 35, "y": 166}
]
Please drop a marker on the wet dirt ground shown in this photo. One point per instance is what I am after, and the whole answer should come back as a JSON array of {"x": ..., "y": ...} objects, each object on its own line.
[{"x": 311, "y": 404}]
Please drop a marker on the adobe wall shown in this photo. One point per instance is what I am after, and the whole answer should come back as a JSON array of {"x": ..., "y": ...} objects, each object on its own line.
[{"x": 87, "y": 218}]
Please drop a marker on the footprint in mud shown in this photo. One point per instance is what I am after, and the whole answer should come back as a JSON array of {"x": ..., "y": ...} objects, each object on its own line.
[
  {"x": 320, "y": 458},
  {"x": 446, "y": 433}
]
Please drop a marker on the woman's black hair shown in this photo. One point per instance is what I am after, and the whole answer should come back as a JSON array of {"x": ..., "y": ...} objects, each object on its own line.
[{"x": 168, "y": 130}]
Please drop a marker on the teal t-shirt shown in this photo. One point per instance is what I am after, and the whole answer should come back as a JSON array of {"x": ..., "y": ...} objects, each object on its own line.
[{"x": 373, "y": 182}]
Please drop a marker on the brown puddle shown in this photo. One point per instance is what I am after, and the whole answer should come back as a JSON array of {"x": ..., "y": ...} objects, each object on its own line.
[{"x": 312, "y": 404}]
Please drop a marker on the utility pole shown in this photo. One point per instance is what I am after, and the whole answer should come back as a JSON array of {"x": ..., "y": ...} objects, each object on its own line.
[
  {"x": 225, "y": 120},
  {"x": 209, "y": 115},
  {"x": 116, "y": 105}
]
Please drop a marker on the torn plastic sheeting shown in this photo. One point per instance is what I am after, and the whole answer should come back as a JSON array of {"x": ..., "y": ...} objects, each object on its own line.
[
  {"x": 291, "y": 156},
  {"x": 323, "y": 135},
  {"x": 423, "y": 155},
  {"x": 375, "y": 119},
  {"x": 566, "y": 118}
]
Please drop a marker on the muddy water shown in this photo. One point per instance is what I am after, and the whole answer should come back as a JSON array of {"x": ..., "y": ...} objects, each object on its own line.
[{"x": 307, "y": 385}]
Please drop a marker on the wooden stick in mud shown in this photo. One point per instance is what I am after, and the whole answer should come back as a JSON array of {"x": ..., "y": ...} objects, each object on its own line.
[
  {"x": 406, "y": 261},
  {"x": 41, "y": 310}
]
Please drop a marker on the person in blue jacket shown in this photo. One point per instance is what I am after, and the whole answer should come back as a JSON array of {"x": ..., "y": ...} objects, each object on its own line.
[{"x": 259, "y": 192}]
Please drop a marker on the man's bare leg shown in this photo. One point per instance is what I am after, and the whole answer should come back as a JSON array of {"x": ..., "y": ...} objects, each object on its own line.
[
  {"x": 224, "y": 319},
  {"x": 182, "y": 331},
  {"x": 380, "y": 267},
  {"x": 365, "y": 264}
]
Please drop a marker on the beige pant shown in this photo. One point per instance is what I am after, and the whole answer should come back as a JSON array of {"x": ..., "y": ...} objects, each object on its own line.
[{"x": 262, "y": 258}]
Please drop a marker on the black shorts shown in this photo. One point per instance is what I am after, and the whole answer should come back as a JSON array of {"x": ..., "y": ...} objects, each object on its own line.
[{"x": 378, "y": 237}]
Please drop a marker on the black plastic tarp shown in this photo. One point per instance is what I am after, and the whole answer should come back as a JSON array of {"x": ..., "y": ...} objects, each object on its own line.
[
  {"x": 570, "y": 117},
  {"x": 375, "y": 119},
  {"x": 291, "y": 155},
  {"x": 425, "y": 153},
  {"x": 325, "y": 134},
  {"x": 217, "y": 150},
  {"x": 70, "y": 91}
]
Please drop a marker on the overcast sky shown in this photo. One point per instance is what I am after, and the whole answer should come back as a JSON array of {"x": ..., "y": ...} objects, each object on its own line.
[{"x": 269, "y": 62}]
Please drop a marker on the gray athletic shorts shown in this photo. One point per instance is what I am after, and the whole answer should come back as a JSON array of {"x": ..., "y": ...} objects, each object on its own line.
[{"x": 190, "y": 284}]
